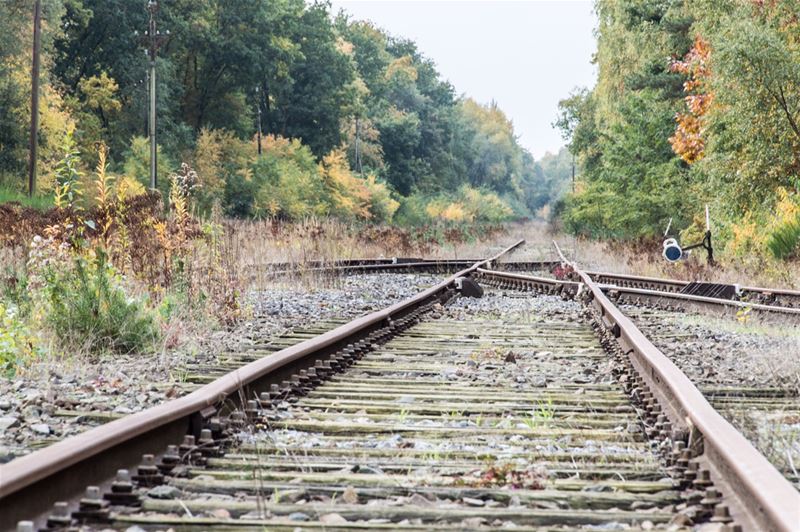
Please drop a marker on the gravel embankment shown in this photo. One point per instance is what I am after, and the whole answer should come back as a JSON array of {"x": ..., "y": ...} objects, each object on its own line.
[
  {"x": 731, "y": 361},
  {"x": 55, "y": 399},
  {"x": 723, "y": 351}
]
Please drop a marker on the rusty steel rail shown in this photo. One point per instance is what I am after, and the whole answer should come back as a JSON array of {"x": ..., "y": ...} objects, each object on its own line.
[
  {"x": 636, "y": 281},
  {"x": 763, "y": 499},
  {"x": 768, "y": 303},
  {"x": 401, "y": 266},
  {"x": 528, "y": 283},
  {"x": 752, "y": 294},
  {"x": 29, "y": 485},
  {"x": 672, "y": 300}
]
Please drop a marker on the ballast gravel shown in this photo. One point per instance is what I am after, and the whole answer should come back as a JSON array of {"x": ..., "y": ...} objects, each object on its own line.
[
  {"x": 724, "y": 351},
  {"x": 730, "y": 356},
  {"x": 57, "y": 398}
]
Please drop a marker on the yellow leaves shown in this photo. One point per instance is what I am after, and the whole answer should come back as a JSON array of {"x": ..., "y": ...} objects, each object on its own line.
[
  {"x": 101, "y": 93},
  {"x": 467, "y": 206},
  {"x": 350, "y": 194},
  {"x": 207, "y": 159},
  {"x": 402, "y": 69},
  {"x": 751, "y": 234},
  {"x": 104, "y": 197},
  {"x": 344, "y": 47},
  {"x": 128, "y": 187},
  {"x": 449, "y": 212},
  {"x": 788, "y": 206},
  {"x": 103, "y": 180},
  {"x": 688, "y": 142}
]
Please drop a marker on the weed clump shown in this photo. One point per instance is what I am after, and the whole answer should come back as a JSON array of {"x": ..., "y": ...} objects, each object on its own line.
[
  {"x": 107, "y": 271},
  {"x": 18, "y": 345},
  {"x": 506, "y": 475},
  {"x": 87, "y": 306}
]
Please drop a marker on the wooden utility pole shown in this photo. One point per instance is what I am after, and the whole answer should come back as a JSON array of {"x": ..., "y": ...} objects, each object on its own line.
[
  {"x": 154, "y": 41},
  {"x": 37, "y": 51},
  {"x": 573, "y": 173},
  {"x": 258, "y": 106},
  {"x": 152, "y": 7},
  {"x": 358, "y": 146}
]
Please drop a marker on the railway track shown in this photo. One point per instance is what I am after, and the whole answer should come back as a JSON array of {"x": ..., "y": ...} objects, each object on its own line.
[
  {"x": 746, "y": 294},
  {"x": 666, "y": 298},
  {"x": 660, "y": 292},
  {"x": 441, "y": 412},
  {"x": 395, "y": 265}
]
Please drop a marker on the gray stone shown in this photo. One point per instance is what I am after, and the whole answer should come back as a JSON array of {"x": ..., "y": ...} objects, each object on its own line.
[
  {"x": 6, "y": 422},
  {"x": 469, "y": 501},
  {"x": 298, "y": 516},
  {"x": 164, "y": 492},
  {"x": 31, "y": 395},
  {"x": 31, "y": 412},
  {"x": 332, "y": 519},
  {"x": 41, "y": 428}
]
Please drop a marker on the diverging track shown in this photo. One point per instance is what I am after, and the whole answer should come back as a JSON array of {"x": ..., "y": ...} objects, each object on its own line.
[{"x": 443, "y": 412}]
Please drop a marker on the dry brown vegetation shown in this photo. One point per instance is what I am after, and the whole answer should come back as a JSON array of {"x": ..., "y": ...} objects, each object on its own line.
[{"x": 643, "y": 257}]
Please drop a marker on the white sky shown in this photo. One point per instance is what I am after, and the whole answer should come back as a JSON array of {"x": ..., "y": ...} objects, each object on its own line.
[{"x": 526, "y": 55}]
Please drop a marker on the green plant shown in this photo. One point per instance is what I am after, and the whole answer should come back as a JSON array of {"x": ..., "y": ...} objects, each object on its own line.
[
  {"x": 17, "y": 344},
  {"x": 542, "y": 415},
  {"x": 402, "y": 415},
  {"x": 784, "y": 242},
  {"x": 9, "y": 194},
  {"x": 67, "y": 190},
  {"x": 87, "y": 306}
]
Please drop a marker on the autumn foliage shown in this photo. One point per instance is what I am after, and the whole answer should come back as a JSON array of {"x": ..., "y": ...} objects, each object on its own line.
[{"x": 688, "y": 141}]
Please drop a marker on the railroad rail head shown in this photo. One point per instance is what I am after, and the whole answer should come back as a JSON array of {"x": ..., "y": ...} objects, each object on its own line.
[
  {"x": 747, "y": 294},
  {"x": 764, "y": 499}
]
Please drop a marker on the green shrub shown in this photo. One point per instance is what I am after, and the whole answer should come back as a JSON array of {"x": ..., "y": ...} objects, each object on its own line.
[
  {"x": 17, "y": 344},
  {"x": 784, "y": 241},
  {"x": 87, "y": 307},
  {"x": 467, "y": 206},
  {"x": 137, "y": 164}
]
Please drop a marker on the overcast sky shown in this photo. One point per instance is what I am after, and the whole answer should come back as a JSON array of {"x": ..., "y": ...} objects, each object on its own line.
[{"x": 526, "y": 55}]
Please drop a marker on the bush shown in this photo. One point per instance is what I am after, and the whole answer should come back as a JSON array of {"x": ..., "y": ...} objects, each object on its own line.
[
  {"x": 137, "y": 164},
  {"x": 17, "y": 344},
  {"x": 784, "y": 241},
  {"x": 467, "y": 205},
  {"x": 86, "y": 306}
]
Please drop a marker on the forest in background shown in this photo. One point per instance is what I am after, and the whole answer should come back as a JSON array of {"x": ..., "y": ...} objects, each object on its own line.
[
  {"x": 357, "y": 124},
  {"x": 697, "y": 102}
]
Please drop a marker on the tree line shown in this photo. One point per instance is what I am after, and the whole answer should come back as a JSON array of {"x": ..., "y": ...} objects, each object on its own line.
[
  {"x": 696, "y": 103},
  {"x": 357, "y": 123}
]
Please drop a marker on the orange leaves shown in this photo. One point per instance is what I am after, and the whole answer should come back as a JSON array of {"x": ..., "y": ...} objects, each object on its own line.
[{"x": 688, "y": 141}]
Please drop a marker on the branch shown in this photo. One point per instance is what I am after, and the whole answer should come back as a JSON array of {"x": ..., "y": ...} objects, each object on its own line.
[{"x": 789, "y": 117}]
